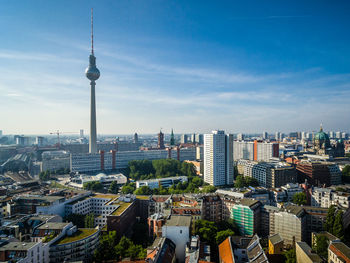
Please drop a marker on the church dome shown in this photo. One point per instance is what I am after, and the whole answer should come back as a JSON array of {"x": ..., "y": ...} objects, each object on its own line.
[{"x": 322, "y": 138}]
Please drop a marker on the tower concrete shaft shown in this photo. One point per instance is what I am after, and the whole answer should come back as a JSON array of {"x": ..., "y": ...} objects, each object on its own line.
[{"x": 93, "y": 133}]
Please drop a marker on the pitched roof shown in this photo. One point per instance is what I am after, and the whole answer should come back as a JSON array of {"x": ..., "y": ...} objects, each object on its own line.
[{"x": 225, "y": 251}]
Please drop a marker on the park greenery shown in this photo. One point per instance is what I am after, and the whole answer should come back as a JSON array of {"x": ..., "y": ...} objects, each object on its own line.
[
  {"x": 89, "y": 220},
  {"x": 95, "y": 186},
  {"x": 145, "y": 169},
  {"x": 334, "y": 222},
  {"x": 113, "y": 188},
  {"x": 299, "y": 198},
  {"x": 245, "y": 181},
  {"x": 110, "y": 249},
  {"x": 213, "y": 233}
]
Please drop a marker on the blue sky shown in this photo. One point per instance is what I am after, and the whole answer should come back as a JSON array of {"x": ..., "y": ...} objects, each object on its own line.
[{"x": 241, "y": 66}]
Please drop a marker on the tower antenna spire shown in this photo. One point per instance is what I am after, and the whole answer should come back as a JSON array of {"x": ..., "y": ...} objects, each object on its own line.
[{"x": 92, "y": 31}]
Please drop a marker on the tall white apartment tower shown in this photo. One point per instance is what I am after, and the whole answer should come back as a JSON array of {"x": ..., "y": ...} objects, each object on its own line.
[{"x": 218, "y": 158}]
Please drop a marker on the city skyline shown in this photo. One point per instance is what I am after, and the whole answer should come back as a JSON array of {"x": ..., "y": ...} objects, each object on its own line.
[{"x": 168, "y": 65}]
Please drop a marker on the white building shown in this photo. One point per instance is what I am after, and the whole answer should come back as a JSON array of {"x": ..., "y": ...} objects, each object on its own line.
[
  {"x": 177, "y": 229},
  {"x": 325, "y": 197},
  {"x": 164, "y": 182},
  {"x": 243, "y": 150},
  {"x": 105, "y": 180},
  {"x": 218, "y": 158}
]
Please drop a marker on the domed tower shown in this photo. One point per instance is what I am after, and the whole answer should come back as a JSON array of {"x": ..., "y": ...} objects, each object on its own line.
[
  {"x": 321, "y": 142},
  {"x": 92, "y": 73}
]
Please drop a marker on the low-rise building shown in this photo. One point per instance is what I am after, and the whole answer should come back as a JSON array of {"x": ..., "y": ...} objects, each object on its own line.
[
  {"x": 177, "y": 229},
  {"x": 338, "y": 252},
  {"x": 304, "y": 254},
  {"x": 161, "y": 182}
]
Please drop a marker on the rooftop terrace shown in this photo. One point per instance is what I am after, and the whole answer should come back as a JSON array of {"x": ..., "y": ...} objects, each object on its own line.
[{"x": 79, "y": 235}]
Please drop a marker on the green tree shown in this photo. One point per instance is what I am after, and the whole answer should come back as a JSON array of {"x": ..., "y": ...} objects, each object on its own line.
[
  {"x": 106, "y": 250},
  {"x": 128, "y": 189},
  {"x": 113, "y": 188},
  {"x": 290, "y": 256},
  {"x": 321, "y": 246},
  {"x": 338, "y": 229},
  {"x": 143, "y": 190},
  {"x": 209, "y": 189},
  {"x": 89, "y": 221},
  {"x": 222, "y": 235},
  {"x": 206, "y": 230},
  {"x": 299, "y": 199},
  {"x": 197, "y": 181},
  {"x": 330, "y": 219},
  {"x": 245, "y": 181},
  {"x": 93, "y": 186}
]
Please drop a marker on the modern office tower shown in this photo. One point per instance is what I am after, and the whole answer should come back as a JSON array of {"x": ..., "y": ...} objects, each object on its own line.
[
  {"x": 172, "y": 138},
  {"x": 265, "y": 135},
  {"x": 331, "y": 134},
  {"x": 246, "y": 215},
  {"x": 218, "y": 158},
  {"x": 199, "y": 138},
  {"x": 277, "y": 136},
  {"x": 308, "y": 135},
  {"x": 93, "y": 74},
  {"x": 22, "y": 140},
  {"x": 39, "y": 140},
  {"x": 338, "y": 135},
  {"x": 81, "y": 133},
  {"x": 344, "y": 135},
  {"x": 136, "y": 138},
  {"x": 193, "y": 138},
  {"x": 303, "y": 136},
  {"x": 290, "y": 224},
  {"x": 184, "y": 138},
  {"x": 240, "y": 137},
  {"x": 161, "y": 140}
]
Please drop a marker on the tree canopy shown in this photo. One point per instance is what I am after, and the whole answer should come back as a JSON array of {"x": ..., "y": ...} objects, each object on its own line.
[
  {"x": 346, "y": 174},
  {"x": 321, "y": 246},
  {"x": 93, "y": 186},
  {"x": 245, "y": 181},
  {"x": 222, "y": 235},
  {"x": 299, "y": 198}
]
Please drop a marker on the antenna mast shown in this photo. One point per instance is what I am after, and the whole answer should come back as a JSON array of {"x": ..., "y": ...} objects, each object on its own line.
[{"x": 92, "y": 31}]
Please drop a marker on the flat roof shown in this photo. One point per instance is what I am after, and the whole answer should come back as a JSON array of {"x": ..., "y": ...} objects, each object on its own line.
[
  {"x": 177, "y": 220},
  {"x": 19, "y": 246},
  {"x": 80, "y": 234},
  {"x": 122, "y": 206},
  {"x": 248, "y": 202},
  {"x": 294, "y": 209}
]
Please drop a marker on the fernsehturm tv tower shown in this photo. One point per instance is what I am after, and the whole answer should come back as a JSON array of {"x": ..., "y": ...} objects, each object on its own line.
[{"x": 92, "y": 73}]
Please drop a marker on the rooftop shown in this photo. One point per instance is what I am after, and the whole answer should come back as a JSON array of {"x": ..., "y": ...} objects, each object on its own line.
[
  {"x": 53, "y": 225},
  {"x": 18, "y": 246},
  {"x": 294, "y": 209},
  {"x": 341, "y": 247},
  {"x": 122, "y": 206},
  {"x": 248, "y": 202},
  {"x": 275, "y": 239},
  {"x": 176, "y": 220},
  {"x": 307, "y": 250},
  {"x": 79, "y": 235}
]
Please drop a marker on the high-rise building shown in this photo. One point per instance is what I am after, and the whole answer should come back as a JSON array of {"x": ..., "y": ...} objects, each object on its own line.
[
  {"x": 193, "y": 138},
  {"x": 240, "y": 136},
  {"x": 246, "y": 215},
  {"x": 184, "y": 138},
  {"x": 93, "y": 74},
  {"x": 265, "y": 135},
  {"x": 277, "y": 136},
  {"x": 39, "y": 140},
  {"x": 218, "y": 158},
  {"x": 199, "y": 138},
  {"x": 81, "y": 133},
  {"x": 0, "y": 133},
  {"x": 338, "y": 135},
  {"x": 257, "y": 150},
  {"x": 331, "y": 134},
  {"x": 136, "y": 138},
  {"x": 22, "y": 140},
  {"x": 161, "y": 140}
]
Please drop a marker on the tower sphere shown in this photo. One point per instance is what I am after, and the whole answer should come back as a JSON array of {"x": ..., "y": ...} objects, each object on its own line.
[{"x": 92, "y": 72}]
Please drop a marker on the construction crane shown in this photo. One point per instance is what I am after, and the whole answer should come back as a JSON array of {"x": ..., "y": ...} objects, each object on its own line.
[{"x": 58, "y": 135}]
